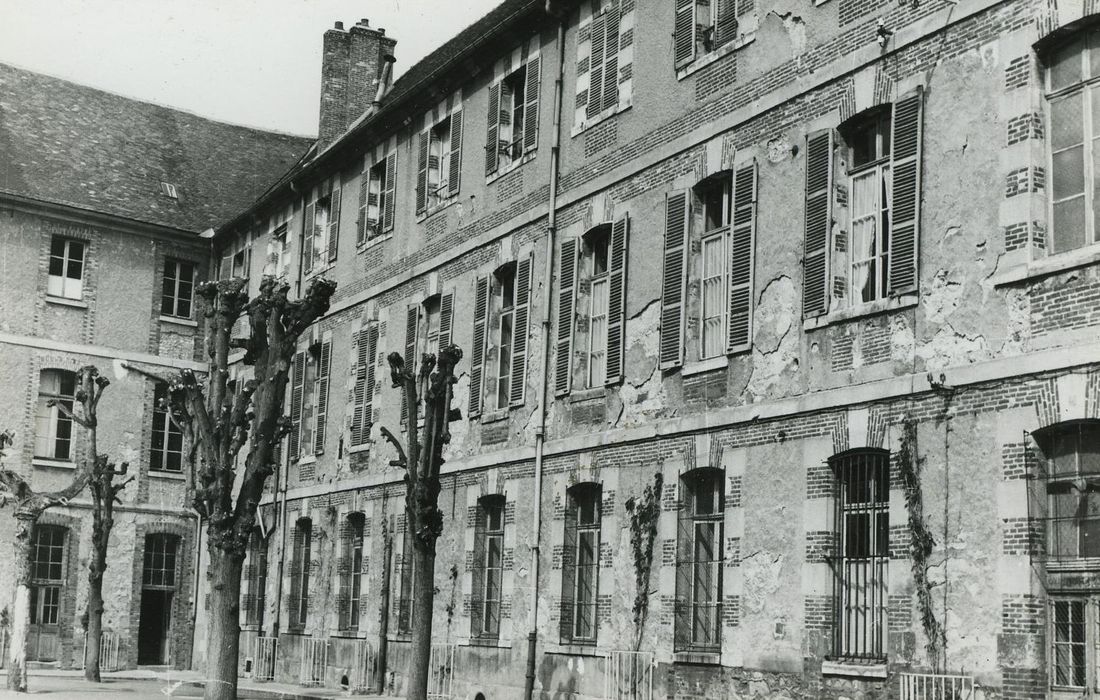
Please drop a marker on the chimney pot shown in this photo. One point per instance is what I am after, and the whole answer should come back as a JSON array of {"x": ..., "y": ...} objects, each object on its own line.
[
  {"x": 365, "y": 22},
  {"x": 339, "y": 25},
  {"x": 382, "y": 31}
]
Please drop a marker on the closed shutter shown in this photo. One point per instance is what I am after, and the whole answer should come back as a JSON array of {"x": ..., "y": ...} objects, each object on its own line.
[
  {"x": 296, "y": 394},
  {"x": 477, "y": 589},
  {"x": 361, "y": 223},
  {"x": 568, "y": 569},
  {"x": 321, "y": 412},
  {"x": 672, "y": 280},
  {"x": 610, "y": 93},
  {"x": 616, "y": 300},
  {"x": 567, "y": 290},
  {"x": 815, "y": 256},
  {"x": 412, "y": 321},
  {"x": 446, "y": 318},
  {"x": 492, "y": 149},
  {"x": 422, "y": 173},
  {"x": 334, "y": 220},
  {"x": 368, "y": 394},
  {"x": 905, "y": 170},
  {"x": 725, "y": 25},
  {"x": 387, "y": 208},
  {"x": 517, "y": 382},
  {"x": 681, "y": 633},
  {"x": 310, "y": 232},
  {"x": 684, "y": 33},
  {"x": 597, "y": 30},
  {"x": 455, "y": 173},
  {"x": 742, "y": 252},
  {"x": 477, "y": 352},
  {"x": 366, "y": 349},
  {"x": 531, "y": 110}
]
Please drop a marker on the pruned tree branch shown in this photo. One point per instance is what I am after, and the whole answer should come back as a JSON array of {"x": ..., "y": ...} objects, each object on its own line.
[{"x": 392, "y": 439}]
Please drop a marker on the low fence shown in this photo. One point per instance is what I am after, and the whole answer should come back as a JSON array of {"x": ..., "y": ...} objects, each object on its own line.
[
  {"x": 936, "y": 686},
  {"x": 314, "y": 661},
  {"x": 441, "y": 671},
  {"x": 628, "y": 675},
  {"x": 108, "y": 651},
  {"x": 266, "y": 650}
]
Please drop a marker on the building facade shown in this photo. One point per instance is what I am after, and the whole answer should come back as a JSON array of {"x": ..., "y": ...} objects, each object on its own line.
[
  {"x": 102, "y": 199},
  {"x": 806, "y": 290}
]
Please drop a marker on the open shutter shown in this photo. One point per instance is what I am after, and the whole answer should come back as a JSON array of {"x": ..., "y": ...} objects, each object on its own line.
[
  {"x": 567, "y": 291},
  {"x": 446, "y": 317},
  {"x": 616, "y": 300},
  {"x": 366, "y": 349},
  {"x": 368, "y": 394},
  {"x": 725, "y": 25},
  {"x": 389, "y": 193},
  {"x": 742, "y": 251},
  {"x": 361, "y": 223},
  {"x": 531, "y": 110},
  {"x": 322, "y": 397},
  {"x": 568, "y": 569},
  {"x": 334, "y": 219},
  {"x": 492, "y": 150},
  {"x": 597, "y": 31},
  {"x": 477, "y": 352},
  {"x": 517, "y": 382},
  {"x": 422, "y": 173},
  {"x": 296, "y": 395},
  {"x": 412, "y": 320},
  {"x": 905, "y": 170},
  {"x": 455, "y": 174},
  {"x": 815, "y": 256},
  {"x": 681, "y": 633},
  {"x": 684, "y": 33},
  {"x": 610, "y": 96},
  {"x": 307, "y": 240},
  {"x": 673, "y": 279}
]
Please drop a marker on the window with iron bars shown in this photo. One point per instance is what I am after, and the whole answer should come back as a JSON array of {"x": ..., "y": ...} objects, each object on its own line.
[
  {"x": 861, "y": 553},
  {"x": 699, "y": 557},
  {"x": 299, "y": 573},
  {"x": 581, "y": 564},
  {"x": 256, "y": 579},
  {"x": 1071, "y": 453}
]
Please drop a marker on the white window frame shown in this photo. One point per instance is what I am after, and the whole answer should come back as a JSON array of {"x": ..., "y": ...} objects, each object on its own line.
[
  {"x": 504, "y": 346},
  {"x": 176, "y": 298},
  {"x": 439, "y": 146},
  {"x": 492, "y": 536},
  {"x": 506, "y": 133},
  {"x": 376, "y": 189},
  {"x": 718, "y": 317},
  {"x": 592, "y": 530},
  {"x": 162, "y": 423},
  {"x": 321, "y": 210},
  {"x": 875, "y": 219},
  {"x": 311, "y": 368},
  {"x": 1090, "y": 643},
  {"x": 49, "y": 418},
  {"x": 64, "y": 284}
]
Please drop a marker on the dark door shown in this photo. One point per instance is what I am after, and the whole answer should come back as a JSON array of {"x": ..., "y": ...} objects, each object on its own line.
[{"x": 156, "y": 607}]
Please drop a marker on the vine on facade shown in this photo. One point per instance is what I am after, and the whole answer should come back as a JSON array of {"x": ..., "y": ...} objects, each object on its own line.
[{"x": 644, "y": 514}]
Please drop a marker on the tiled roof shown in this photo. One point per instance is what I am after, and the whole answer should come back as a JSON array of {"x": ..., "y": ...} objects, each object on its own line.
[{"x": 70, "y": 144}]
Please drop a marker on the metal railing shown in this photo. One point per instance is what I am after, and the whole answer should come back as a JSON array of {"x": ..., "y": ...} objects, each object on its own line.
[
  {"x": 264, "y": 666},
  {"x": 441, "y": 671},
  {"x": 108, "y": 651},
  {"x": 936, "y": 686},
  {"x": 314, "y": 661},
  {"x": 628, "y": 675},
  {"x": 366, "y": 665}
]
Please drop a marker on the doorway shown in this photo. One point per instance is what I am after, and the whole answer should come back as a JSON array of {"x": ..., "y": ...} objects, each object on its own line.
[{"x": 154, "y": 626}]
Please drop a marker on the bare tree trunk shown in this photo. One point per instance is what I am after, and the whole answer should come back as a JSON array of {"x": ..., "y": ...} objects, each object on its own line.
[
  {"x": 423, "y": 607},
  {"x": 384, "y": 608},
  {"x": 223, "y": 635},
  {"x": 94, "y": 631},
  {"x": 21, "y": 611}
]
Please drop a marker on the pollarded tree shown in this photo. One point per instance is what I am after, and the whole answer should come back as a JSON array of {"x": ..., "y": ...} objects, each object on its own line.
[{"x": 219, "y": 419}]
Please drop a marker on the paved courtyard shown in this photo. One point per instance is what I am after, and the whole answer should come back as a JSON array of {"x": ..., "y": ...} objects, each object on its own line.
[{"x": 69, "y": 686}]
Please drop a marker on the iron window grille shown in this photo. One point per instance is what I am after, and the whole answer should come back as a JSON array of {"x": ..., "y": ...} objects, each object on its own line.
[
  {"x": 489, "y": 567},
  {"x": 1069, "y": 483},
  {"x": 698, "y": 607}
]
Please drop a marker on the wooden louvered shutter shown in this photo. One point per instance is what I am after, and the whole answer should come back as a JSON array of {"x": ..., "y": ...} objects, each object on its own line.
[
  {"x": 684, "y": 33},
  {"x": 610, "y": 93},
  {"x": 531, "y": 110},
  {"x": 360, "y": 423},
  {"x": 310, "y": 232},
  {"x": 677, "y": 213},
  {"x": 742, "y": 253},
  {"x": 361, "y": 223},
  {"x": 492, "y": 148},
  {"x": 905, "y": 171},
  {"x": 568, "y": 569},
  {"x": 368, "y": 393},
  {"x": 477, "y": 352},
  {"x": 455, "y": 174},
  {"x": 334, "y": 219},
  {"x": 412, "y": 321},
  {"x": 388, "y": 206},
  {"x": 517, "y": 382},
  {"x": 296, "y": 395},
  {"x": 597, "y": 32},
  {"x": 321, "y": 412},
  {"x": 725, "y": 25},
  {"x": 681, "y": 633},
  {"x": 422, "y": 172},
  {"x": 477, "y": 589},
  {"x": 567, "y": 291},
  {"x": 815, "y": 255},
  {"x": 616, "y": 300},
  {"x": 446, "y": 318}
]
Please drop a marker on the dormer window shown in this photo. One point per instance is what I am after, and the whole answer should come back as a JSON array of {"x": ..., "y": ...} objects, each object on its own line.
[{"x": 169, "y": 190}]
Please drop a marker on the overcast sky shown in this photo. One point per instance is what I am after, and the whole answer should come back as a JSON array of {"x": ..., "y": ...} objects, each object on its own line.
[{"x": 254, "y": 62}]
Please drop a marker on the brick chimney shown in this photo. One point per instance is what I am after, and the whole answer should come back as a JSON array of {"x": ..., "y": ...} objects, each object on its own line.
[{"x": 350, "y": 70}]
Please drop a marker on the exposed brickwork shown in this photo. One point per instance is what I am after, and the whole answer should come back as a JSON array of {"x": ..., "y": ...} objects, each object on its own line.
[
  {"x": 1024, "y": 127},
  {"x": 731, "y": 611},
  {"x": 1023, "y": 614},
  {"x": 852, "y": 10},
  {"x": 899, "y": 613},
  {"x": 601, "y": 137},
  {"x": 1023, "y": 684},
  {"x": 1018, "y": 73},
  {"x": 818, "y": 613},
  {"x": 716, "y": 77},
  {"x": 1023, "y": 180},
  {"x": 819, "y": 546},
  {"x": 1022, "y": 537},
  {"x": 1063, "y": 303},
  {"x": 706, "y": 387},
  {"x": 510, "y": 186}
]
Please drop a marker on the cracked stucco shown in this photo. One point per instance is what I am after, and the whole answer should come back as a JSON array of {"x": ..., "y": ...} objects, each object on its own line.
[{"x": 776, "y": 348}]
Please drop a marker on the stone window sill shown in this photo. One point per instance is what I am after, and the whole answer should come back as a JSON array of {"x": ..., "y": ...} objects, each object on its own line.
[
  {"x": 701, "y": 366},
  {"x": 436, "y": 208},
  {"x": 492, "y": 643},
  {"x": 596, "y": 392},
  {"x": 308, "y": 459},
  {"x": 494, "y": 416},
  {"x": 1060, "y": 262},
  {"x": 179, "y": 321},
  {"x": 854, "y": 669},
  {"x": 377, "y": 240},
  {"x": 1068, "y": 565},
  {"x": 365, "y": 447},
  {"x": 349, "y": 634},
  {"x": 575, "y": 650},
  {"x": 716, "y": 55},
  {"x": 63, "y": 301},
  {"x": 49, "y": 463},
  {"x": 171, "y": 476},
  {"x": 501, "y": 172},
  {"x": 588, "y": 123},
  {"x": 709, "y": 658},
  {"x": 905, "y": 301}
]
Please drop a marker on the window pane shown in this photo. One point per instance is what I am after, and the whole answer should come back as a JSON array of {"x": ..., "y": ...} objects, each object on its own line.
[
  {"x": 1089, "y": 456},
  {"x": 1065, "y": 66},
  {"x": 586, "y": 507},
  {"x": 1066, "y": 121},
  {"x": 1069, "y": 225},
  {"x": 1069, "y": 172}
]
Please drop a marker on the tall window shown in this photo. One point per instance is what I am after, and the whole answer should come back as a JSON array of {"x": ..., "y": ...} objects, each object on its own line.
[
  {"x": 299, "y": 573},
  {"x": 256, "y": 580},
  {"x": 581, "y": 564},
  {"x": 379, "y": 207},
  {"x": 179, "y": 280},
  {"x": 53, "y": 430},
  {"x": 47, "y": 573},
  {"x": 66, "y": 268},
  {"x": 699, "y": 561},
  {"x": 1071, "y": 654},
  {"x": 505, "y": 289},
  {"x": 512, "y": 115},
  {"x": 166, "y": 454},
  {"x": 1073, "y": 102},
  {"x": 408, "y": 572},
  {"x": 714, "y": 195},
  {"x": 353, "y": 577},
  {"x": 869, "y": 187},
  {"x": 488, "y": 567},
  {"x": 319, "y": 241},
  {"x": 1072, "y": 452},
  {"x": 863, "y": 526},
  {"x": 159, "y": 570},
  {"x": 597, "y": 242},
  {"x": 439, "y": 160}
]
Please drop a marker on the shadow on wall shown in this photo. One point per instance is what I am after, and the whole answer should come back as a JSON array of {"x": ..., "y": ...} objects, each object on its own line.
[{"x": 559, "y": 681}]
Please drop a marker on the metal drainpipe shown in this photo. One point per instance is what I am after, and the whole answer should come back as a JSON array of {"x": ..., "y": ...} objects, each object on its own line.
[
  {"x": 280, "y": 524},
  {"x": 540, "y": 430}
]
